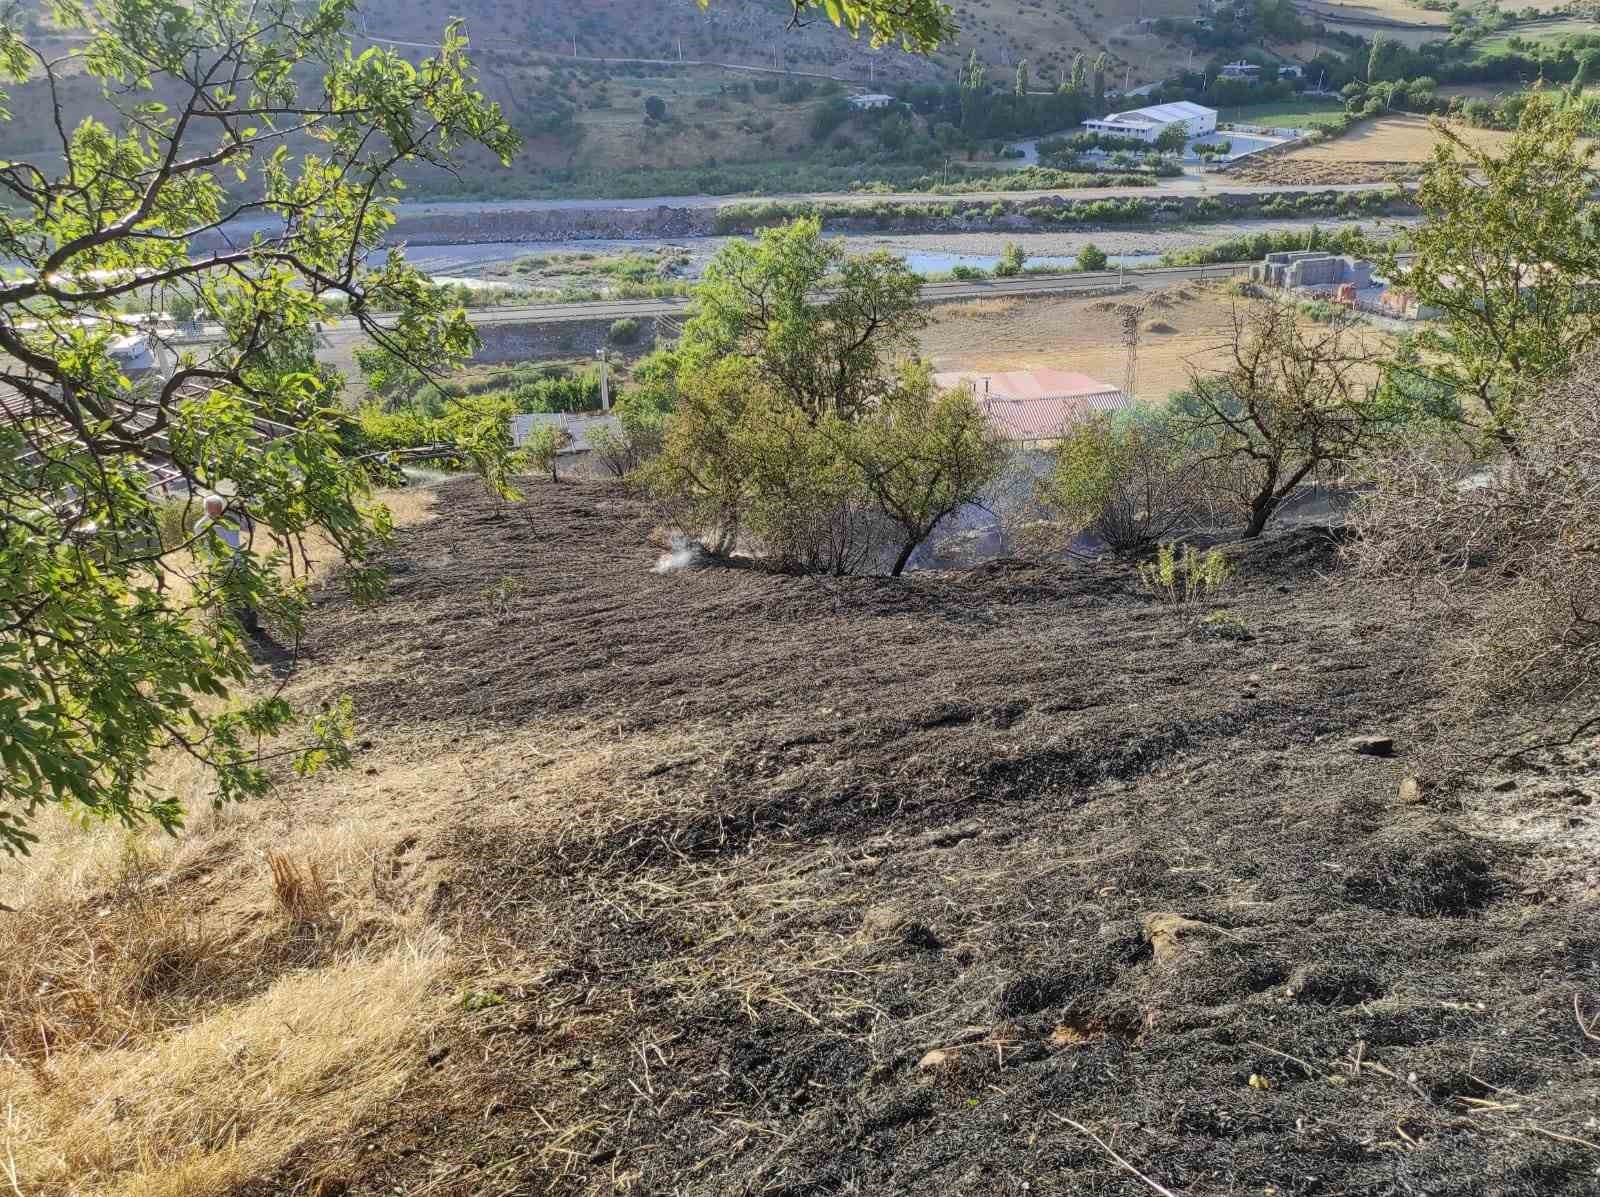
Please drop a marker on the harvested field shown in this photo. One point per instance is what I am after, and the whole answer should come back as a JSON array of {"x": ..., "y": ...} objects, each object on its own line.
[
  {"x": 1403, "y": 11},
  {"x": 731, "y": 883},
  {"x": 1084, "y": 335},
  {"x": 1390, "y": 147}
]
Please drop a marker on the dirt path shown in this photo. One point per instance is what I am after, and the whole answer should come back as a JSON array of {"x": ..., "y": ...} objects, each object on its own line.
[{"x": 813, "y": 886}]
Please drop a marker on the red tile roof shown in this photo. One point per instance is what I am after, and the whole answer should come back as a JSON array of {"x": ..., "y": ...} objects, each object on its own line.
[{"x": 1036, "y": 405}]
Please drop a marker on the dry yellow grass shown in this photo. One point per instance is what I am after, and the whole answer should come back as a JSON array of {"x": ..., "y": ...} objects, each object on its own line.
[
  {"x": 178, "y": 1014},
  {"x": 227, "y": 1098},
  {"x": 1398, "y": 138},
  {"x": 1084, "y": 335},
  {"x": 976, "y": 309}
]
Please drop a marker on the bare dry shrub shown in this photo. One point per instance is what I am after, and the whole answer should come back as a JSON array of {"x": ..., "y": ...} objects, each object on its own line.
[
  {"x": 1293, "y": 398},
  {"x": 1012, "y": 500},
  {"x": 1507, "y": 552}
]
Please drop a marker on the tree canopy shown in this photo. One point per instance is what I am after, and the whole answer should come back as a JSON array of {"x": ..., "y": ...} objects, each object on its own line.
[
  {"x": 825, "y": 326},
  {"x": 919, "y": 25},
  {"x": 243, "y": 165},
  {"x": 1509, "y": 252}
]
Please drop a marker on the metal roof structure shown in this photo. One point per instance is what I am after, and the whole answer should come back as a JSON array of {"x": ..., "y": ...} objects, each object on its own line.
[
  {"x": 1162, "y": 114},
  {"x": 578, "y": 426}
]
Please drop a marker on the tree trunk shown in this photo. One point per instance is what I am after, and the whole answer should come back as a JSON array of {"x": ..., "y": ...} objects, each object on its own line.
[
  {"x": 905, "y": 556},
  {"x": 1261, "y": 509}
]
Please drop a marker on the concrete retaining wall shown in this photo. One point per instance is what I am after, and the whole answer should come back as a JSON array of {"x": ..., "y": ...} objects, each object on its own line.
[{"x": 506, "y": 342}]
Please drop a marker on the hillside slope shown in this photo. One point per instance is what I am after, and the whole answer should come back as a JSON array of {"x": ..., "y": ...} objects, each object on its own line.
[
  {"x": 583, "y": 119},
  {"x": 734, "y": 883}
]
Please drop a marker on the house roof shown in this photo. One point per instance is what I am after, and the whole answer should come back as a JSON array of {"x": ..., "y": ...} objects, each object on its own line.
[{"x": 1034, "y": 405}]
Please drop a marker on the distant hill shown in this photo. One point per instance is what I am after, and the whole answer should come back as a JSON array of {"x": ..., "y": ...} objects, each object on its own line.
[
  {"x": 743, "y": 111},
  {"x": 583, "y": 115}
]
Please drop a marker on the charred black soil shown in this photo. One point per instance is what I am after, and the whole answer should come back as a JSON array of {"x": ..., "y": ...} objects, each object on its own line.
[{"x": 870, "y": 886}]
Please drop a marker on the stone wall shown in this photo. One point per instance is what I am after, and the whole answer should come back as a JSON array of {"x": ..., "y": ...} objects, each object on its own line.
[{"x": 536, "y": 341}]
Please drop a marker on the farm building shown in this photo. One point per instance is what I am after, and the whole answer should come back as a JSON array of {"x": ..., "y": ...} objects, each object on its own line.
[
  {"x": 1034, "y": 407},
  {"x": 1145, "y": 124},
  {"x": 863, "y": 103},
  {"x": 1312, "y": 268}
]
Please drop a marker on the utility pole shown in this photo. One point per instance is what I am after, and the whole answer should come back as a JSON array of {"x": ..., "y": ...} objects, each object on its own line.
[
  {"x": 574, "y": 45},
  {"x": 605, "y": 389}
]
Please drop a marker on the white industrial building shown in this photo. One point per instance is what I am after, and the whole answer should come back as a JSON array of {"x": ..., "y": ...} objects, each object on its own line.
[
  {"x": 869, "y": 101},
  {"x": 1145, "y": 124}
]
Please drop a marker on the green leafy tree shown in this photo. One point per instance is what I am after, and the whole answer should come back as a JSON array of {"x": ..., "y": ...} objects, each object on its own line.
[
  {"x": 1383, "y": 49},
  {"x": 484, "y": 439},
  {"x": 1173, "y": 138},
  {"x": 824, "y": 326},
  {"x": 1020, "y": 81},
  {"x": 544, "y": 446},
  {"x": 1092, "y": 257},
  {"x": 1509, "y": 252},
  {"x": 655, "y": 108},
  {"x": 209, "y": 112},
  {"x": 922, "y": 455},
  {"x": 1078, "y": 82},
  {"x": 740, "y": 464},
  {"x": 1585, "y": 73},
  {"x": 972, "y": 75},
  {"x": 641, "y": 415},
  {"x": 1128, "y": 482},
  {"x": 1012, "y": 259},
  {"x": 919, "y": 25},
  {"x": 1101, "y": 63}
]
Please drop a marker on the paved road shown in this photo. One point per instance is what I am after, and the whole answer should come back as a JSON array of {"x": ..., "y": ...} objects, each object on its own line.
[{"x": 345, "y": 331}]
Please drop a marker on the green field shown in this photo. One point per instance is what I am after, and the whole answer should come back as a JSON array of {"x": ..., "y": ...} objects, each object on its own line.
[
  {"x": 1297, "y": 114},
  {"x": 1540, "y": 32}
]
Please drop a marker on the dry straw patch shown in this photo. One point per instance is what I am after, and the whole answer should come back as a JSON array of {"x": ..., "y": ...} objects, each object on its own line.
[
  {"x": 179, "y": 1015},
  {"x": 976, "y": 309},
  {"x": 230, "y": 1097}
]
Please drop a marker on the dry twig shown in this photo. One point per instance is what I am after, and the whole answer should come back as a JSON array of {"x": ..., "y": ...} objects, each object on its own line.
[{"x": 1154, "y": 1186}]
